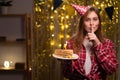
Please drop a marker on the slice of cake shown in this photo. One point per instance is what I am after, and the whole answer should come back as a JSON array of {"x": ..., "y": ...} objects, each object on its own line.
[{"x": 65, "y": 53}]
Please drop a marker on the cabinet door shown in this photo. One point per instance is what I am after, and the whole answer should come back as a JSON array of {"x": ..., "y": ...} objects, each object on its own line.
[{"x": 15, "y": 43}]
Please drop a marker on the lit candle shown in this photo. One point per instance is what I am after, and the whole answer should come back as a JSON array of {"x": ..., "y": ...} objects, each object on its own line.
[{"x": 65, "y": 44}]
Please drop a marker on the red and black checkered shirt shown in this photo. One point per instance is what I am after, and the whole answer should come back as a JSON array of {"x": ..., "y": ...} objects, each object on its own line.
[{"x": 104, "y": 62}]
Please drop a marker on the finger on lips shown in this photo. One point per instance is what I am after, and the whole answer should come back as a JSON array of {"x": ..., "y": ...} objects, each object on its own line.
[{"x": 92, "y": 29}]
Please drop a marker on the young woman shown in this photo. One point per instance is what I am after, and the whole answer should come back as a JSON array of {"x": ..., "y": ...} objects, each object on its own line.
[{"x": 96, "y": 53}]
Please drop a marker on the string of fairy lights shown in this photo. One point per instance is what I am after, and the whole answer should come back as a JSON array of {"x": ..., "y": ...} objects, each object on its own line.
[{"x": 53, "y": 28}]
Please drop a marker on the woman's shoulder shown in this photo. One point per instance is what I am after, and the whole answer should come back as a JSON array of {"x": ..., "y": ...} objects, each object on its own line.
[
  {"x": 70, "y": 40},
  {"x": 108, "y": 41},
  {"x": 69, "y": 44}
]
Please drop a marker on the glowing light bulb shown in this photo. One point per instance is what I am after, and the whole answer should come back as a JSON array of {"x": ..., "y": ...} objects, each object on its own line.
[{"x": 6, "y": 64}]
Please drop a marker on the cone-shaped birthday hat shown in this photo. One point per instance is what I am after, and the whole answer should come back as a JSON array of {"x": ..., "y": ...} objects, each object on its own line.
[{"x": 80, "y": 9}]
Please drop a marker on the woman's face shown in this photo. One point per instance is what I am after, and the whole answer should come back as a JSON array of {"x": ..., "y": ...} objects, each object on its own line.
[{"x": 91, "y": 22}]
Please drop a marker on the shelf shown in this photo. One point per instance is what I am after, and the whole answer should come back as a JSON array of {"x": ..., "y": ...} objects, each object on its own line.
[
  {"x": 15, "y": 43},
  {"x": 11, "y": 69},
  {"x": 10, "y": 74},
  {"x": 12, "y": 43},
  {"x": 12, "y": 15},
  {"x": 13, "y": 72}
]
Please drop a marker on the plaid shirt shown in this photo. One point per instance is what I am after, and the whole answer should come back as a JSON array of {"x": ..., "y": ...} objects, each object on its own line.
[{"x": 103, "y": 62}]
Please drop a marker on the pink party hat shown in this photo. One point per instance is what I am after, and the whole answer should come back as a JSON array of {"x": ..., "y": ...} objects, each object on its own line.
[{"x": 80, "y": 9}]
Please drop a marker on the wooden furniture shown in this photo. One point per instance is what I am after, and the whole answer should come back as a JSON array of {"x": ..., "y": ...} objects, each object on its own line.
[{"x": 15, "y": 45}]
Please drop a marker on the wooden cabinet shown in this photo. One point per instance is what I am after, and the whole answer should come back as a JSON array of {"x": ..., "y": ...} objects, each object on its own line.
[{"x": 15, "y": 45}]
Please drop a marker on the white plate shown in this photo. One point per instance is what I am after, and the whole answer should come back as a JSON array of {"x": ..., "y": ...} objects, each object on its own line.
[{"x": 75, "y": 56}]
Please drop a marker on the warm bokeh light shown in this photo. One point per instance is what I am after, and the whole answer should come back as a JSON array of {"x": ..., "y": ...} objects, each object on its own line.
[
  {"x": 52, "y": 43},
  {"x": 6, "y": 64},
  {"x": 51, "y": 27}
]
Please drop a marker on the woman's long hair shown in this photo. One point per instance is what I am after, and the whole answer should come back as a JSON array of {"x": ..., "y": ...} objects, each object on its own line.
[{"x": 81, "y": 32}]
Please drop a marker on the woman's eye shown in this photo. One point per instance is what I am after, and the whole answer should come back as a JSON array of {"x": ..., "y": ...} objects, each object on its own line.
[
  {"x": 87, "y": 19},
  {"x": 91, "y": 19},
  {"x": 95, "y": 19}
]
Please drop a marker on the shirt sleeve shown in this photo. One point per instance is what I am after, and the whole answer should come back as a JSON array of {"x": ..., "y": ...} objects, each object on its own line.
[
  {"x": 67, "y": 68},
  {"x": 106, "y": 56}
]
